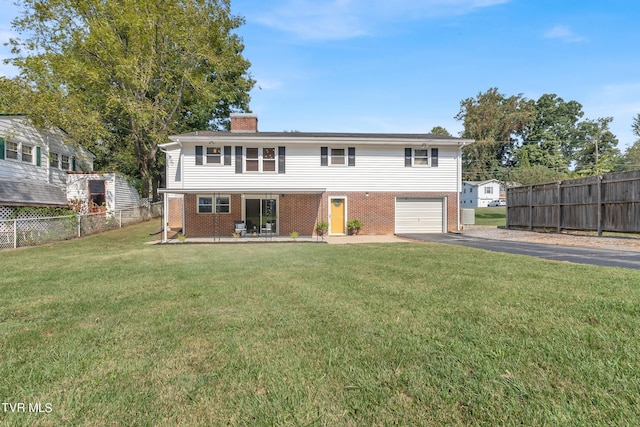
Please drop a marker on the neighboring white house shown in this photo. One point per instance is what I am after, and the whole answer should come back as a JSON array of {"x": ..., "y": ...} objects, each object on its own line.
[
  {"x": 478, "y": 194},
  {"x": 39, "y": 169},
  {"x": 27, "y": 153},
  {"x": 283, "y": 182}
]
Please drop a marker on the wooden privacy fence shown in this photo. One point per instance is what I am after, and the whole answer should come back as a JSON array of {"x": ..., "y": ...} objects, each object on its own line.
[{"x": 609, "y": 202}]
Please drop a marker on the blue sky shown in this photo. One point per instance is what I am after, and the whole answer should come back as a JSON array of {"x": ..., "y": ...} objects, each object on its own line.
[{"x": 405, "y": 65}]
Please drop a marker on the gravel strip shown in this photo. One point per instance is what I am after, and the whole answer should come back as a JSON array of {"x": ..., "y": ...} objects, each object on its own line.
[{"x": 631, "y": 243}]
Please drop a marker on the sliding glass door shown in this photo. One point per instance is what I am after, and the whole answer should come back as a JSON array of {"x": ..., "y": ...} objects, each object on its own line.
[{"x": 261, "y": 215}]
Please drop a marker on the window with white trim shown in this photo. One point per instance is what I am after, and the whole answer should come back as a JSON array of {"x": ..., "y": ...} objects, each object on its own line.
[
  {"x": 207, "y": 204},
  {"x": 269, "y": 159},
  {"x": 54, "y": 160},
  {"x": 65, "y": 163},
  {"x": 421, "y": 157},
  {"x": 214, "y": 155},
  {"x": 12, "y": 150},
  {"x": 223, "y": 204},
  {"x": 488, "y": 190},
  {"x": 260, "y": 159},
  {"x": 337, "y": 156}
]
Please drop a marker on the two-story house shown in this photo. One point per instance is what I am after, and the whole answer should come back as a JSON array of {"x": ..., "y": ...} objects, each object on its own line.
[
  {"x": 38, "y": 168},
  {"x": 34, "y": 163},
  {"x": 283, "y": 182},
  {"x": 478, "y": 194}
]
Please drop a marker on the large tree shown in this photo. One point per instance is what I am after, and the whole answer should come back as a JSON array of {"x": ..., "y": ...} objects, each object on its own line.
[
  {"x": 120, "y": 76},
  {"x": 494, "y": 121},
  {"x": 551, "y": 139}
]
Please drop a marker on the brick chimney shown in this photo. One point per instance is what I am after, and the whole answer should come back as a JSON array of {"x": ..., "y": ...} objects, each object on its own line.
[{"x": 244, "y": 122}]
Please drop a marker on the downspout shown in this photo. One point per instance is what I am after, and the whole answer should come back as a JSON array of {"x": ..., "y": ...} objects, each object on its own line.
[{"x": 459, "y": 181}]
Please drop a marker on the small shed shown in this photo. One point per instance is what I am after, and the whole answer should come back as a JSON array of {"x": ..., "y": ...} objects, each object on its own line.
[{"x": 109, "y": 189}]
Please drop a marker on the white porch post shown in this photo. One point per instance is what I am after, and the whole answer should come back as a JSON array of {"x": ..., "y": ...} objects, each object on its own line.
[{"x": 165, "y": 217}]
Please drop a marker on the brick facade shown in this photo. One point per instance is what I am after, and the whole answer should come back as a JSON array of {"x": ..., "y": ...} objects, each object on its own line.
[
  {"x": 301, "y": 212},
  {"x": 376, "y": 210},
  {"x": 175, "y": 213}
]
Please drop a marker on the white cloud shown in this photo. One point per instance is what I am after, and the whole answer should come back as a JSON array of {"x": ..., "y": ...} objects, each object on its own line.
[
  {"x": 344, "y": 19},
  {"x": 564, "y": 33}
]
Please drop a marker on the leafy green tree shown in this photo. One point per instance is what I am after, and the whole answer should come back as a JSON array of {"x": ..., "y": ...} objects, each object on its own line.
[
  {"x": 552, "y": 137},
  {"x": 440, "y": 131},
  {"x": 536, "y": 174},
  {"x": 120, "y": 76},
  {"x": 631, "y": 158},
  {"x": 494, "y": 121},
  {"x": 597, "y": 152}
]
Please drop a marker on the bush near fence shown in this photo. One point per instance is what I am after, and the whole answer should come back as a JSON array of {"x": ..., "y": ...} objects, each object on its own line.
[
  {"x": 15, "y": 233},
  {"x": 610, "y": 202}
]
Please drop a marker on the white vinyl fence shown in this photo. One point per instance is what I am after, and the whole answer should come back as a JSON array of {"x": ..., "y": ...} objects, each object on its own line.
[{"x": 17, "y": 233}]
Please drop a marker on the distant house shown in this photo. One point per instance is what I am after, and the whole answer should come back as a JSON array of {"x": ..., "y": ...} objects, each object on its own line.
[
  {"x": 478, "y": 194},
  {"x": 284, "y": 182},
  {"x": 36, "y": 166}
]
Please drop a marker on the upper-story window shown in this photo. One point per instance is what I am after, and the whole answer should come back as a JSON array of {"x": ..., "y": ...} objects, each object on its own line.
[
  {"x": 54, "y": 160},
  {"x": 337, "y": 156},
  {"x": 12, "y": 150},
  {"x": 260, "y": 159},
  {"x": 214, "y": 155},
  {"x": 65, "y": 163},
  {"x": 27, "y": 153},
  {"x": 421, "y": 157},
  {"x": 488, "y": 190}
]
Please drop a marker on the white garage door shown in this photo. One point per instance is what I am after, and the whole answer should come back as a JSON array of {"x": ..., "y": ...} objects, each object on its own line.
[{"x": 419, "y": 215}]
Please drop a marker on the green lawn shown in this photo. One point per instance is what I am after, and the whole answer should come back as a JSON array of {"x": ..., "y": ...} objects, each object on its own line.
[
  {"x": 491, "y": 216},
  {"x": 109, "y": 331}
]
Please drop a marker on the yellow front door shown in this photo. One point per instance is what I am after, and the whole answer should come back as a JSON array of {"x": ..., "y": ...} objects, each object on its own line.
[{"x": 337, "y": 216}]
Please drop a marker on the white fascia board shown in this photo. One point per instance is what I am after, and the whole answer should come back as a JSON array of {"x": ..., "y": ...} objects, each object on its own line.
[{"x": 257, "y": 138}]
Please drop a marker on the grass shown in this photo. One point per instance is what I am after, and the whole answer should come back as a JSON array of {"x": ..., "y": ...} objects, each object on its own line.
[
  {"x": 491, "y": 216},
  {"x": 110, "y": 331}
]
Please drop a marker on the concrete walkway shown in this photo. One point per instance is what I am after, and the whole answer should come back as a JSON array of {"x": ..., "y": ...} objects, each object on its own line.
[{"x": 332, "y": 240}]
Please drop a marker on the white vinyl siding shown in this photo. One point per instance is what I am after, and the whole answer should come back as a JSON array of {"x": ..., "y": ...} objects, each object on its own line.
[
  {"x": 17, "y": 130},
  {"x": 379, "y": 168},
  {"x": 419, "y": 215}
]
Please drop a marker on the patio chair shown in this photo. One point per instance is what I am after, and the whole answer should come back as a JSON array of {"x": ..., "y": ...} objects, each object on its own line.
[
  {"x": 240, "y": 228},
  {"x": 267, "y": 228}
]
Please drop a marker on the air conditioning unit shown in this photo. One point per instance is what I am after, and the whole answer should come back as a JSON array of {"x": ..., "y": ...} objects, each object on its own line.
[{"x": 468, "y": 216}]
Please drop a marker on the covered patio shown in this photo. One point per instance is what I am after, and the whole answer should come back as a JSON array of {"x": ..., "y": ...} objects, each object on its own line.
[{"x": 243, "y": 215}]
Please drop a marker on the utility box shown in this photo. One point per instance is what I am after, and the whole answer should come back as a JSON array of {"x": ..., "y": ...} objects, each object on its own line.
[{"x": 468, "y": 216}]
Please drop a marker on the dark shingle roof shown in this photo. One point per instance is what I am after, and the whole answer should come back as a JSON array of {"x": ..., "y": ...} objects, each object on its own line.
[
  {"x": 31, "y": 193},
  {"x": 213, "y": 133}
]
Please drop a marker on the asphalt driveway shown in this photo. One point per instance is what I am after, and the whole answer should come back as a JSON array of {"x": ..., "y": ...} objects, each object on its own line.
[{"x": 579, "y": 255}]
